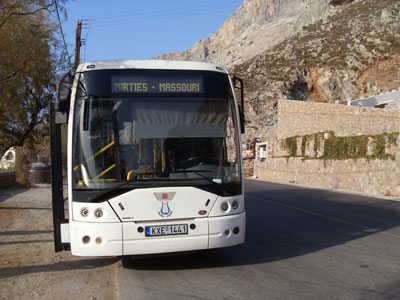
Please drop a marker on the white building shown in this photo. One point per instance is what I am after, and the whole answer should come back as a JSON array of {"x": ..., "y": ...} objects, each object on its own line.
[{"x": 8, "y": 159}]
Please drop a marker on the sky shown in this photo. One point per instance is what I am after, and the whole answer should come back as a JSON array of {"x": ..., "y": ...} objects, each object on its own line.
[{"x": 142, "y": 29}]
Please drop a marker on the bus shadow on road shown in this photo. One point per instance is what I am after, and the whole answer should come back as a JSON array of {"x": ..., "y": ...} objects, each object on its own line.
[
  {"x": 285, "y": 222},
  {"x": 57, "y": 267},
  {"x": 189, "y": 260},
  {"x": 6, "y": 193}
]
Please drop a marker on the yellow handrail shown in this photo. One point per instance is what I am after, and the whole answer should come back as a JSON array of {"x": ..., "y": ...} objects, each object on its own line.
[
  {"x": 128, "y": 177},
  {"x": 96, "y": 154},
  {"x": 105, "y": 171},
  {"x": 162, "y": 155},
  {"x": 80, "y": 182},
  {"x": 154, "y": 154}
]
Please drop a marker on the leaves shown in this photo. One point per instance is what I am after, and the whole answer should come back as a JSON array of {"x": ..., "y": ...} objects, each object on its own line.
[{"x": 30, "y": 61}]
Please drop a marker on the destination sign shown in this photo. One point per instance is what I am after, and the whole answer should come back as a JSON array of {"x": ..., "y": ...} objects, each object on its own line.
[{"x": 154, "y": 85}]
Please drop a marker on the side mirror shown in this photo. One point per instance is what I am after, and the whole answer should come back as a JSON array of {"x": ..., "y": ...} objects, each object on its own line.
[
  {"x": 238, "y": 84},
  {"x": 63, "y": 98}
]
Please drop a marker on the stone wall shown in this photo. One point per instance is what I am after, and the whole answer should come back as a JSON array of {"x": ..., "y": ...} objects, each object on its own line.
[{"x": 298, "y": 118}]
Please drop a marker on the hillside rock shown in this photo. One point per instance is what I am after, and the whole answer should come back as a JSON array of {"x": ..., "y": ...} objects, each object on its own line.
[
  {"x": 329, "y": 85},
  {"x": 256, "y": 26},
  {"x": 308, "y": 50},
  {"x": 352, "y": 51},
  {"x": 394, "y": 105}
]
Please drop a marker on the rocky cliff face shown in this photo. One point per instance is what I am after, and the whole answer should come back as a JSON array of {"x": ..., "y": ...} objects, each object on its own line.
[
  {"x": 256, "y": 26},
  {"x": 310, "y": 50},
  {"x": 352, "y": 51}
]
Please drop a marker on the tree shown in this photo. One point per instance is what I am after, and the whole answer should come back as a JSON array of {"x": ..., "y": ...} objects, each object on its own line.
[
  {"x": 31, "y": 61},
  {"x": 16, "y": 8}
]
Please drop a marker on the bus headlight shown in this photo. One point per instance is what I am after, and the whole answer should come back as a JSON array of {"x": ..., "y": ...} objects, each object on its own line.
[
  {"x": 98, "y": 213},
  {"x": 235, "y": 204},
  {"x": 224, "y": 206},
  {"x": 84, "y": 212}
]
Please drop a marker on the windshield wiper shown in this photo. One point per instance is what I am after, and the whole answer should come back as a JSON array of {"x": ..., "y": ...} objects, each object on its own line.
[
  {"x": 134, "y": 176},
  {"x": 197, "y": 172},
  {"x": 98, "y": 197},
  {"x": 107, "y": 192}
]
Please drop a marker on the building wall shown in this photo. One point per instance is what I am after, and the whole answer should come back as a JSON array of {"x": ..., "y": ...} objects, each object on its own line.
[{"x": 298, "y": 118}]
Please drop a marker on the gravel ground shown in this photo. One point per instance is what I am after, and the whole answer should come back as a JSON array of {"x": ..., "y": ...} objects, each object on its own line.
[{"x": 29, "y": 267}]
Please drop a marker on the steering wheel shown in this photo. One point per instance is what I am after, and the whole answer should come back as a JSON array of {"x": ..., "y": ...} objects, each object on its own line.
[{"x": 198, "y": 161}]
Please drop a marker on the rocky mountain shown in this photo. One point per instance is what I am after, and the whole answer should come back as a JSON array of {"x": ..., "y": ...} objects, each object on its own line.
[
  {"x": 256, "y": 26},
  {"x": 310, "y": 50}
]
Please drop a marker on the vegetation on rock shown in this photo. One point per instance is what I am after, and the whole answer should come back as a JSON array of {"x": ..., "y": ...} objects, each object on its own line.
[{"x": 341, "y": 147}]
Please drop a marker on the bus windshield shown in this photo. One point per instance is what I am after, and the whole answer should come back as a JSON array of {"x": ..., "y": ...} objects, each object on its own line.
[{"x": 181, "y": 133}]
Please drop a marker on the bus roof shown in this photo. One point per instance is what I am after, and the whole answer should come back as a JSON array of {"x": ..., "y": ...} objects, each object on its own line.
[{"x": 150, "y": 64}]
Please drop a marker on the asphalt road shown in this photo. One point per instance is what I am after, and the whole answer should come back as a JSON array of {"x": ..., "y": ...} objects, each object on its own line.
[{"x": 300, "y": 244}]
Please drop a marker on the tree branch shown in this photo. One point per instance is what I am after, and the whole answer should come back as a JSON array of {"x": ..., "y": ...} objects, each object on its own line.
[
  {"x": 13, "y": 74},
  {"x": 9, "y": 14}
]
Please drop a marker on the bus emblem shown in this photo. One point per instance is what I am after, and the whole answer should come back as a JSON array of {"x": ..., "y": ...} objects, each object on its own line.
[
  {"x": 165, "y": 196},
  {"x": 165, "y": 211}
]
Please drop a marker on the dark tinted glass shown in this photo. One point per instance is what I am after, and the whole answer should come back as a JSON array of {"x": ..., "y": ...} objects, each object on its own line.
[{"x": 177, "y": 83}]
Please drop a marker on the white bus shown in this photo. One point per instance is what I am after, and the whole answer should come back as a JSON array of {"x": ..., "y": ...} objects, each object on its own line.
[{"x": 153, "y": 158}]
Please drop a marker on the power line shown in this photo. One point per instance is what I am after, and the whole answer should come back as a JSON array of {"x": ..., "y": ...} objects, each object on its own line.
[
  {"x": 62, "y": 32},
  {"x": 87, "y": 26},
  {"x": 157, "y": 15},
  {"x": 153, "y": 18},
  {"x": 163, "y": 13},
  {"x": 145, "y": 16},
  {"x": 182, "y": 8}
]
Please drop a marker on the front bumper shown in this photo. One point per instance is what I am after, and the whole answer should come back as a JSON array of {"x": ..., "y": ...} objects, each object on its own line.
[{"x": 115, "y": 239}]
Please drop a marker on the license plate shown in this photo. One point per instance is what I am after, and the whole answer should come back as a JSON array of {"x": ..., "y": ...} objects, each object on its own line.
[{"x": 163, "y": 230}]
